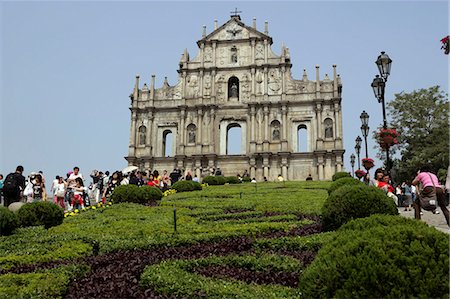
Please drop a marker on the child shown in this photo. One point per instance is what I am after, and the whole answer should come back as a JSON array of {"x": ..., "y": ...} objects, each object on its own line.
[{"x": 78, "y": 193}]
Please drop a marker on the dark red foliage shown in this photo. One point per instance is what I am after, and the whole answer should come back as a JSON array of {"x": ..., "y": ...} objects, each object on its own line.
[
  {"x": 305, "y": 230},
  {"x": 289, "y": 279}
]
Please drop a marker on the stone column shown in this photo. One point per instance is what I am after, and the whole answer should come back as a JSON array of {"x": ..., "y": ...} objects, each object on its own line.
[
  {"x": 283, "y": 80},
  {"x": 199, "y": 139},
  {"x": 266, "y": 129},
  {"x": 148, "y": 141},
  {"x": 214, "y": 45},
  {"x": 205, "y": 128},
  {"x": 320, "y": 168},
  {"x": 265, "y": 85},
  {"x": 212, "y": 130},
  {"x": 198, "y": 168},
  {"x": 252, "y": 129},
  {"x": 200, "y": 84},
  {"x": 266, "y": 166},
  {"x": 252, "y": 167},
  {"x": 253, "y": 42},
  {"x": 253, "y": 92},
  {"x": 202, "y": 54},
  {"x": 132, "y": 147},
  {"x": 284, "y": 167},
  {"x": 266, "y": 51},
  {"x": 284, "y": 131},
  {"x": 319, "y": 143},
  {"x": 213, "y": 86},
  {"x": 182, "y": 130}
]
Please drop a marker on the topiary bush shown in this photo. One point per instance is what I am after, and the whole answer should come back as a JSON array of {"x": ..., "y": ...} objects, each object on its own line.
[
  {"x": 186, "y": 186},
  {"x": 126, "y": 193},
  {"x": 340, "y": 175},
  {"x": 221, "y": 180},
  {"x": 380, "y": 257},
  {"x": 214, "y": 180},
  {"x": 343, "y": 182},
  {"x": 8, "y": 221},
  {"x": 355, "y": 201},
  {"x": 149, "y": 195},
  {"x": 246, "y": 179},
  {"x": 40, "y": 213},
  {"x": 232, "y": 180}
]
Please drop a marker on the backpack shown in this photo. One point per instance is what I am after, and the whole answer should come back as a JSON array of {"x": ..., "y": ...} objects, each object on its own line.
[{"x": 10, "y": 184}]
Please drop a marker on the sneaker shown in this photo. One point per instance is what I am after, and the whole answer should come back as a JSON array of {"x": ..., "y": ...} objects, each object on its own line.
[
  {"x": 435, "y": 212},
  {"x": 421, "y": 213}
]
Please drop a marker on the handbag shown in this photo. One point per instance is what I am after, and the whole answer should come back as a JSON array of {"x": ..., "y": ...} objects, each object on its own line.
[{"x": 428, "y": 200}]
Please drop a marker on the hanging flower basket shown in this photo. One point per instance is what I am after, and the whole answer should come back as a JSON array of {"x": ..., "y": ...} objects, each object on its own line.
[
  {"x": 360, "y": 173},
  {"x": 367, "y": 163},
  {"x": 445, "y": 44},
  {"x": 387, "y": 138}
]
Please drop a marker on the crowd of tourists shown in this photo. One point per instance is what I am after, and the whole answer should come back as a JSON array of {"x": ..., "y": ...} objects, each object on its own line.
[
  {"x": 414, "y": 194},
  {"x": 72, "y": 191}
]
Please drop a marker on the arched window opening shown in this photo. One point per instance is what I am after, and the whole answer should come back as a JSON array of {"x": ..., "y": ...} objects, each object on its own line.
[
  {"x": 302, "y": 138},
  {"x": 275, "y": 128},
  {"x": 233, "y": 88},
  {"x": 234, "y": 139},
  {"x": 142, "y": 135},
  {"x": 328, "y": 125},
  {"x": 167, "y": 143},
  {"x": 191, "y": 134},
  {"x": 234, "y": 56}
]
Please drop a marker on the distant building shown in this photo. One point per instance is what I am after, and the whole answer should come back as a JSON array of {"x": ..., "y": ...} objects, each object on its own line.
[{"x": 237, "y": 81}]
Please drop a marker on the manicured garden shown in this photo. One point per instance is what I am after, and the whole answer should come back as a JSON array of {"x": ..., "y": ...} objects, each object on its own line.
[{"x": 265, "y": 240}]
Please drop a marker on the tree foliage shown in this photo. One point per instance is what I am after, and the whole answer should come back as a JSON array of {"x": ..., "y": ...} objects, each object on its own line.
[{"x": 421, "y": 117}]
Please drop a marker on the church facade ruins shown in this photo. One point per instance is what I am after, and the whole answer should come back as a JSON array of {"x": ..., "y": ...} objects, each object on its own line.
[{"x": 237, "y": 84}]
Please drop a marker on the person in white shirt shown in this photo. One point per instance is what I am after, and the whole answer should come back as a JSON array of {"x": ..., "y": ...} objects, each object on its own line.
[
  {"x": 73, "y": 176},
  {"x": 60, "y": 192},
  {"x": 53, "y": 188}
]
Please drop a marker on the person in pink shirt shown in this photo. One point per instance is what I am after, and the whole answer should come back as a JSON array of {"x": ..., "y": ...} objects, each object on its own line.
[{"x": 429, "y": 182}]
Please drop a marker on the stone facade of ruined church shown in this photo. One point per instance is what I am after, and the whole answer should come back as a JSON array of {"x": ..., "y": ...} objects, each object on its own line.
[{"x": 291, "y": 127}]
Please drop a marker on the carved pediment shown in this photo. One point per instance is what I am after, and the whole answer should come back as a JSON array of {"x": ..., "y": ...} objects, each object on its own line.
[{"x": 234, "y": 29}]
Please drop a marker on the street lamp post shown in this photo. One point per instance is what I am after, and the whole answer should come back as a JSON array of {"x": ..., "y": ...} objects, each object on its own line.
[
  {"x": 378, "y": 84},
  {"x": 365, "y": 129},
  {"x": 358, "y": 141},
  {"x": 352, "y": 162}
]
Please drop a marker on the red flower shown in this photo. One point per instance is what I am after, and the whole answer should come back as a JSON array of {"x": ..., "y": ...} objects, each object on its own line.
[
  {"x": 360, "y": 173},
  {"x": 387, "y": 137},
  {"x": 445, "y": 44}
]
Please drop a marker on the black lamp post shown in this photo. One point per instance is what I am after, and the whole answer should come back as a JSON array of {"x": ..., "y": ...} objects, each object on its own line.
[
  {"x": 352, "y": 162},
  {"x": 365, "y": 128},
  {"x": 358, "y": 141},
  {"x": 378, "y": 84}
]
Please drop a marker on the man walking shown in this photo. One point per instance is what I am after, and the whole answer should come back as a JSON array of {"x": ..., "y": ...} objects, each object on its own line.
[{"x": 13, "y": 185}]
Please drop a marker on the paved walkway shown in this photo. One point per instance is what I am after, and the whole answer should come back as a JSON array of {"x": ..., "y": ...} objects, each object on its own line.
[{"x": 436, "y": 220}]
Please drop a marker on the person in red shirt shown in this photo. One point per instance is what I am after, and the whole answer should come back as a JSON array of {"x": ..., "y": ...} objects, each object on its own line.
[
  {"x": 152, "y": 181},
  {"x": 384, "y": 184}
]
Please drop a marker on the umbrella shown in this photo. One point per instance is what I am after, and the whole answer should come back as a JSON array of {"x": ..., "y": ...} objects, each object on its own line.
[{"x": 129, "y": 169}]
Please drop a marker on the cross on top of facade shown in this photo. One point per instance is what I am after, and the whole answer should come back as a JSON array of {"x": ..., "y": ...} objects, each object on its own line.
[{"x": 235, "y": 13}]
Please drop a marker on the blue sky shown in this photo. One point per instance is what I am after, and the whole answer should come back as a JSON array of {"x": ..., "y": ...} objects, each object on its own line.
[{"x": 67, "y": 68}]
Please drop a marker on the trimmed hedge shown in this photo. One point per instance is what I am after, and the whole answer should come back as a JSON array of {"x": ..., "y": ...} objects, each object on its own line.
[
  {"x": 177, "y": 279},
  {"x": 135, "y": 194},
  {"x": 355, "y": 201},
  {"x": 380, "y": 257},
  {"x": 8, "y": 221},
  {"x": 343, "y": 182},
  {"x": 340, "y": 175},
  {"x": 232, "y": 180},
  {"x": 214, "y": 180},
  {"x": 246, "y": 179},
  {"x": 186, "y": 186},
  {"x": 40, "y": 213}
]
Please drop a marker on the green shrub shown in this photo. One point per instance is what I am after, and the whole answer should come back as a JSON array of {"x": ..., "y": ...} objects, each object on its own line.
[
  {"x": 246, "y": 179},
  {"x": 126, "y": 193},
  {"x": 186, "y": 186},
  {"x": 232, "y": 180},
  {"x": 177, "y": 279},
  {"x": 343, "y": 182},
  {"x": 391, "y": 257},
  {"x": 48, "y": 283},
  {"x": 221, "y": 180},
  {"x": 149, "y": 195},
  {"x": 40, "y": 213},
  {"x": 210, "y": 180},
  {"x": 355, "y": 201},
  {"x": 8, "y": 221},
  {"x": 214, "y": 180},
  {"x": 340, "y": 175}
]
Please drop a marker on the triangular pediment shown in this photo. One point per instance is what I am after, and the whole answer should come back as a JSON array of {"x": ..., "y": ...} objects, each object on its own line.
[{"x": 234, "y": 29}]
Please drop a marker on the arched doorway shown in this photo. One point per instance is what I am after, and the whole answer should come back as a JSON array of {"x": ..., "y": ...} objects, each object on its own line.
[
  {"x": 302, "y": 138},
  {"x": 167, "y": 143},
  {"x": 234, "y": 139}
]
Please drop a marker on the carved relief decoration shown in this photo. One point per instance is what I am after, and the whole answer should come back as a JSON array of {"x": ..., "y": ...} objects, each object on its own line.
[{"x": 274, "y": 82}]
